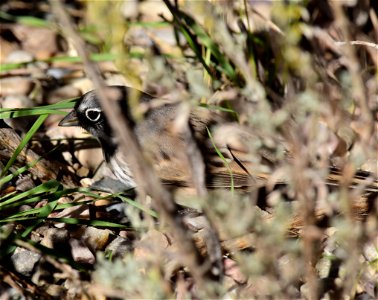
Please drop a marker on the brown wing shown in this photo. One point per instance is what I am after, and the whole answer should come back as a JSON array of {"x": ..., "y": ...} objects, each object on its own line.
[{"x": 226, "y": 152}]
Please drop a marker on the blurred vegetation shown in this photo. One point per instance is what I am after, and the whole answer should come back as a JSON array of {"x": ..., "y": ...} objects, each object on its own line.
[{"x": 286, "y": 71}]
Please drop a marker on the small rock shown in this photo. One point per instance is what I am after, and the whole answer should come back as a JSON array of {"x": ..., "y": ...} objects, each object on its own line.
[
  {"x": 95, "y": 238},
  {"x": 58, "y": 73},
  {"x": 55, "y": 238},
  {"x": 119, "y": 246},
  {"x": 19, "y": 56},
  {"x": 18, "y": 101},
  {"x": 16, "y": 86},
  {"x": 152, "y": 244},
  {"x": 130, "y": 9},
  {"x": 82, "y": 172},
  {"x": 6, "y": 230},
  {"x": 81, "y": 253},
  {"x": 42, "y": 42},
  {"x": 151, "y": 11},
  {"x": 90, "y": 158},
  {"x": 86, "y": 182},
  {"x": 24, "y": 260},
  {"x": 25, "y": 207},
  {"x": 39, "y": 232},
  {"x": 24, "y": 183}
]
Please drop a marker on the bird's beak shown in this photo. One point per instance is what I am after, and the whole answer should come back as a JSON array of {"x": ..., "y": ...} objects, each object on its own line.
[{"x": 69, "y": 120}]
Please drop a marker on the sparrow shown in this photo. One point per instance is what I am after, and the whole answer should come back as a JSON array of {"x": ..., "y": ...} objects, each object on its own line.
[
  {"x": 163, "y": 145},
  {"x": 224, "y": 144}
]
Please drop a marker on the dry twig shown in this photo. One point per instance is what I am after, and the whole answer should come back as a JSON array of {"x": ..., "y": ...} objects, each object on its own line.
[{"x": 147, "y": 181}]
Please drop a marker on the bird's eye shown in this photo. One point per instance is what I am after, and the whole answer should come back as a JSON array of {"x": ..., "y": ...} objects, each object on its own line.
[{"x": 93, "y": 114}]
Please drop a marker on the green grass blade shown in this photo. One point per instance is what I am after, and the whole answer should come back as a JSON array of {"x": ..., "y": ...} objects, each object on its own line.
[
  {"x": 223, "y": 159},
  {"x": 26, "y": 20},
  {"x": 26, "y": 112},
  {"x": 50, "y": 186},
  {"x": 7, "y": 113},
  {"x": 150, "y": 24},
  {"x": 19, "y": 171},
  {"x": 31, "y": 213},
  {"x": 139, "y": 206},
  {"x": 97, "y": 223}
]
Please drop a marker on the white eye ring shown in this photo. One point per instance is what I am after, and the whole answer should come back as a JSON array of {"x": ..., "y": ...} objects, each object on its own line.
[{"x": 93, "y": 117}]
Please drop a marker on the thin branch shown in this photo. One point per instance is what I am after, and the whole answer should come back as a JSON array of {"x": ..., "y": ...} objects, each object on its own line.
[{"x": 147, "y": 181}]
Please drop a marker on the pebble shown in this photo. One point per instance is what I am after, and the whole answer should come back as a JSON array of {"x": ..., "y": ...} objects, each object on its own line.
[
  {"x": 41, "y": 42},
  {"x": 24, "y": 183},
  {"x": 80, "y": 252},
  {"x": 53, "y": 237},
  {"x": 58, "y": 73},
  {"x": 82, "y": 172},
  {"x": 130, "y": 9},
  {"x": 19, "y": 56},
  {"x": 95, "y": 238},
  {"x": 16, "y": 86},
  {"x": 151, "y": 11},
  {"x": 119, "y": 247},
  {"x": 18, "y": 101},
  {"x": 24, "y": 260},
  {"x": 90, "y": 158}
]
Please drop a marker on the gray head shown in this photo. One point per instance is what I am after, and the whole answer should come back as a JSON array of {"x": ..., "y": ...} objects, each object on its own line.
[{"x": 88, "y": 114}]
